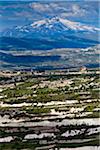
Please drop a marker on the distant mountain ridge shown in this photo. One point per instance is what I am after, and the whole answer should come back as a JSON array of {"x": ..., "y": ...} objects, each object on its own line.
[
  {"x": 58, "y": 58},
  {"x": 28, "y": 59},
  {"x": 50, "y": 33}
]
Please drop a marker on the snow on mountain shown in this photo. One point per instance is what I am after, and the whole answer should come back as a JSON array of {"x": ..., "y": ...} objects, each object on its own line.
[
  {"x": 65, "y": 23},
  {"x": 78, "y": 26},
  {"x": 50, "y": 33},
  {"x": 49, "y": 26}
]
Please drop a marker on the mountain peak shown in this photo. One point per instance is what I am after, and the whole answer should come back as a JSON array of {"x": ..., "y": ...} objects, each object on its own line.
[
  {"x": 65, "y": 23},
  {"x": 47, "y": 21},
  {"x": 56, "y": 29}
]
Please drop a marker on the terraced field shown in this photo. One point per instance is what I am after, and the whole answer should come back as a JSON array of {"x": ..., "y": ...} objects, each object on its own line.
[{"x": 52, "y": 111}]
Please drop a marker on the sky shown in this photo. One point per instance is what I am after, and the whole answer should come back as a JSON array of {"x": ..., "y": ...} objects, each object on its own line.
[{"x": 16, "y": 13}]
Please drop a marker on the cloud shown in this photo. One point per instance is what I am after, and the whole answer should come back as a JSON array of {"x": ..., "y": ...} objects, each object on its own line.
[
  {"x": 74, "y": 11},
  {"x": 77, "y": 10},
  {"x": 64, "y": 9},
  {"x": 40, "y": 7},
  {"x": 46, "y": 7}
]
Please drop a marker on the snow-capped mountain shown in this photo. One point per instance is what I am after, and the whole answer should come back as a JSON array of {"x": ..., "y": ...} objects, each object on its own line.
[
  {"x": 49, "y": 26},
  {"x": 53, "y": 33},
  {"x": 64, "y": 24}
]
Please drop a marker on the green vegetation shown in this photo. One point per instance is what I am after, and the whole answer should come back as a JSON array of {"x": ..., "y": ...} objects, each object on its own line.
[{"x": 36, "y": 110}]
